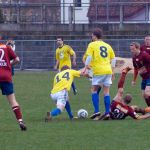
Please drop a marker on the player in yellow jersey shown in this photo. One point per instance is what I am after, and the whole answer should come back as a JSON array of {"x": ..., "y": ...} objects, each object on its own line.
[
  {"x": 103, "y": 61},
  {"x": 61, "y": 87},
  {"x": 63, "y": 57}
]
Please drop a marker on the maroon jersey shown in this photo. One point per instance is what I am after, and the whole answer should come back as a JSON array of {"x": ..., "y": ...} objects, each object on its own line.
[
  {"x": 6, "y": 54},
  {"x": 121, "y": 111},
  {"x": 142, "y": 64},
  {"x": 145, "y": 48}
]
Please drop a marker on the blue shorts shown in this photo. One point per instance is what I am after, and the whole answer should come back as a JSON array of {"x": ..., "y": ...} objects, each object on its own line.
[
  {"x": 7, "y": 88},
  {"x": 145, "y": 83}
]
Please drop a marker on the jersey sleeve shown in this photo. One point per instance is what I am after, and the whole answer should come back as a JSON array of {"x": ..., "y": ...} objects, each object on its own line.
[
  {"x": 89, "y": 51},
  {"x": 71, "y": 51},
  {"x": 57, "y": 55},
  {"x": 132, "y": 113},
  {"x": 112, "y": 54},
  {"x": 11, "y": 53},
  {"x": 84, "y": 57}
]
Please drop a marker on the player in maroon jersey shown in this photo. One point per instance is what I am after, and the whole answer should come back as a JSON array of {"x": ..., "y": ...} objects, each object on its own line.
[
  {"x": 6, "y": 85},
  {"x": 141, "y": 63},
  {"x": 120, "y": 108},
  {"x": 146, "y": 46}
]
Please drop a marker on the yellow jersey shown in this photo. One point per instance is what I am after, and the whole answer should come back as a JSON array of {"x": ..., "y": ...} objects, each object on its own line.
[
  {"x": 101, "y": 54},
  {"x": 84, "y": 58},
  {"x": 64, "y": 79},
  {"x": 63, "y": 56}
]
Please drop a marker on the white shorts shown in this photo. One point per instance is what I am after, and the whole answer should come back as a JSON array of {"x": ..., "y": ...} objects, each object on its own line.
[
  {"x": 90, "y": 73},
  {"x": 106, "y": 80},
  {"x": 60, "y": 98}
]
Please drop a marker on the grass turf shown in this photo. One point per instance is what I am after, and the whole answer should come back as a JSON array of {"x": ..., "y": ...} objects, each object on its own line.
[{"x": 32, "y": 92}]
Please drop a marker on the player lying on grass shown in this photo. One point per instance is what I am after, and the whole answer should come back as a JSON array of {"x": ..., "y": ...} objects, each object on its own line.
[
  {"x": 59, "y": 93},
  {"x": 120, "y": 108}
]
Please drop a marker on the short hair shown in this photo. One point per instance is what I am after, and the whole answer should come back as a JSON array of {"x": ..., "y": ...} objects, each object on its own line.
[
  {"x": 98, "y": 33},
  {"x": 65, "y": 68},
  {"x": 137, "y": 45},
  {"x": 127, "y": 98},
  {"x": 60, "y": 37}
]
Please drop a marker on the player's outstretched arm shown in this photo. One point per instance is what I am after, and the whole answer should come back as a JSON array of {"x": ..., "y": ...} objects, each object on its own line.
[
  {"x": 15, "y": 61},
  {"x": 74, "y": 60},
  {"x": 57, "y": 64},
  {"x": 141, "y": 117},
  {"x": 135, "y": 74}
]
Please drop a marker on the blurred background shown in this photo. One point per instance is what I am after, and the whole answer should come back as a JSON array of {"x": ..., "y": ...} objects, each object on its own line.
[{"x": 35, "y": 25}]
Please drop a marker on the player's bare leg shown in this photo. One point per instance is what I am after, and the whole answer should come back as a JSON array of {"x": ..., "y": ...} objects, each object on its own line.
[{"x": 17, "y": 111}]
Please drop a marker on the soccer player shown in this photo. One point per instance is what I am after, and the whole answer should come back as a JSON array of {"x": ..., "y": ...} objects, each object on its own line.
[
  {"x": 141, "y": 63},
  {"x": 6, "y": 85},
  {"x": 59, "y": 93},
  {"x": 146, "y": 46},
  {"x": 63, "y": 57},
  {"x": 120, "y": 107},
  {"x": 102, "y": 56}
]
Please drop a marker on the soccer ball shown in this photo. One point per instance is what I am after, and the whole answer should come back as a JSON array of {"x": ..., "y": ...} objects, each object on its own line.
[{"x": 82, "y": 113}]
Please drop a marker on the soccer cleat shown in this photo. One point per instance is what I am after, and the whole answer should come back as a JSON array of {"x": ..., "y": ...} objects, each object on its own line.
[
  {"x": 126, "y": 70},
  {"x": 48, "y": 117},
  {"x": 75, "y": 91},
  {"x": 95, "y": 115},
  {"x": 22, "y": 126},
  {"x": 104, "y": 117}
]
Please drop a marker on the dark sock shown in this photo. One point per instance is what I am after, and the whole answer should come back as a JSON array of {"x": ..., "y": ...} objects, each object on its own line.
[
  {"x": 122, "y": 80},
  {"x": 68, "y": 109},
  {"x": 17, "y": 112}
]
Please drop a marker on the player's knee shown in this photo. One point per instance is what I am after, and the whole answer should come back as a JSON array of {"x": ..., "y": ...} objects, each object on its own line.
[
  {"x": 94, "y": 89},
  {"x": 61, "y": 107}
]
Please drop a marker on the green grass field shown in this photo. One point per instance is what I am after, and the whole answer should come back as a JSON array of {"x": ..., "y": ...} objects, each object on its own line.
[{"x": 32, "y": 92}]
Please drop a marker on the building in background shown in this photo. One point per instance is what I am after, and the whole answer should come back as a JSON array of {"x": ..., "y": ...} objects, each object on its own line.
[{"x": 74, "y": 11}]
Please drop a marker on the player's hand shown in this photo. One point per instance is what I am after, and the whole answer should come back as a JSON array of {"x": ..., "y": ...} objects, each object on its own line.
[{"x": 133, "y": 83}]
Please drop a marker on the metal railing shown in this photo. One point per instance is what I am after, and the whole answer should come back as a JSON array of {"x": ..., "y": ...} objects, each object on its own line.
[
  {"x": 40, "y": 54},
  {"x": 67, "y": 13}
]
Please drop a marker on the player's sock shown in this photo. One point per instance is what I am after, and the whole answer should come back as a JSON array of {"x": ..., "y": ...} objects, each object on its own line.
[
  {"x": 17, "y": 112},
  {"x": 147, "y": 100},
  {"x": 68, "y": 109},
  {"x": 95, "y": 100},
  {"x": 74, "y": 88},
  {"x": 107, "y": 103},
  {"x": 122, "y": 80},
  {"x": 55, "y": 112}
]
